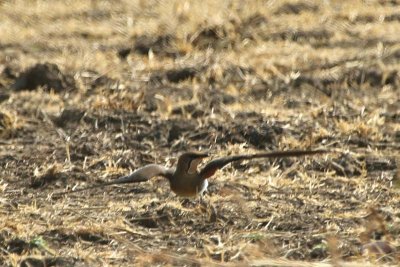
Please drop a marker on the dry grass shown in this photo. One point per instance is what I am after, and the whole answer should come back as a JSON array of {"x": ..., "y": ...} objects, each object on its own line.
[{"x": 262, "y": 75}]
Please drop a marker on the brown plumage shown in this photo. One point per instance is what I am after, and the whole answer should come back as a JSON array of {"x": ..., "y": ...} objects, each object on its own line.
[{"x": 185, "y": 180}]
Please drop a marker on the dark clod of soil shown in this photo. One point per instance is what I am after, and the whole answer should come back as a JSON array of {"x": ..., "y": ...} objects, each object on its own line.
[
  {"x": 149, "y": 220},
  {"x": 261, "y": 136},
  {"x": 178, "y": 128},
  {"x": 393, "y": 17},
  {"x": 178, "y": 75},
  {"x": 8, "y": 72},
  {"x": 319, "y": 252},
  {"x": 69, "y": 116},
  {"x": 17, "y": 246},
  {"x": 372, "y": 76},
  {"x": 46, "y": 75},
  {"x": 59, "y": 236},
  {"x": 162, "y": 45},
  {"x": 215, "y": 37},
  {"x": 296, "y": 8},
  {"x": 302, "y": 35},
  {"x": 91, "y": 237},
  {"x": 47, "y": 262},
  {"x": 381, "y": 164},
  {"x": 4, "y": 97},
  {"x": 123, "y": 53},
  {"x": 174, "y": 76}
]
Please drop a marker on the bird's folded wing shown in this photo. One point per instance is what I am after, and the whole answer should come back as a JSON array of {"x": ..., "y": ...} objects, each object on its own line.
[{"x": 211, "y": 167}]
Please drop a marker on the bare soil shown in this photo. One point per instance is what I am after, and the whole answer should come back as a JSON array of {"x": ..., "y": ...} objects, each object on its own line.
[{"x": 91, "y": 90}]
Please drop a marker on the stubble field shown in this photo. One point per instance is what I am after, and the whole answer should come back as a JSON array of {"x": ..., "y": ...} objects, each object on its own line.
[{"x": 91, "y": 90}]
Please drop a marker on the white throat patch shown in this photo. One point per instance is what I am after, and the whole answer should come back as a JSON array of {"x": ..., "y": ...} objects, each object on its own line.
[{"x": 193, "y": 165}]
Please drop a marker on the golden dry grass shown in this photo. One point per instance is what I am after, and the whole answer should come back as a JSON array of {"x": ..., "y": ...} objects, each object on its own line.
[{"x": 262, "y": 75}]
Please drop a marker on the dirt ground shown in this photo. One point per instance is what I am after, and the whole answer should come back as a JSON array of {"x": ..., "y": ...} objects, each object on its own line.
[{"x": 91, "y": 90}]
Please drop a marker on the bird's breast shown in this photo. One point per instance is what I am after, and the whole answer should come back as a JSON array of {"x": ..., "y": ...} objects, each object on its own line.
[{"x": 189, "y": 186}]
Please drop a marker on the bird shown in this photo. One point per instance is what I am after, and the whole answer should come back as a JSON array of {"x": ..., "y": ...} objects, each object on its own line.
[{"x": 185, "y": 179}]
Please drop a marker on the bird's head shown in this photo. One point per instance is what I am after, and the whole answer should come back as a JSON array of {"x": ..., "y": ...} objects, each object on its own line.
[{"x": 187, "y": 162}]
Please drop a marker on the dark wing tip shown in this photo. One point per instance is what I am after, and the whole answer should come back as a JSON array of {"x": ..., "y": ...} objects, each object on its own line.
[{"x": 322, "y": 150}]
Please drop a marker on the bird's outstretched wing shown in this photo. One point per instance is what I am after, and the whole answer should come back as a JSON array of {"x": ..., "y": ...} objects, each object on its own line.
[
  {"x": 211, "y": 167},
  {"x": 140, "y": 175}
]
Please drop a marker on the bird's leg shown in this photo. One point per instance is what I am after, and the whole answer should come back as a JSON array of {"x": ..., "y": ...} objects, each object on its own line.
[
  {"x": 202, "y": 203},
  {"x": 188, "y": 206},
  {"x": 208, "y": 207},
  {"x": 186, "y": 202}
]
